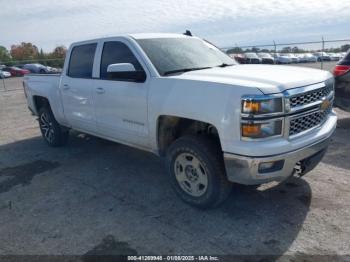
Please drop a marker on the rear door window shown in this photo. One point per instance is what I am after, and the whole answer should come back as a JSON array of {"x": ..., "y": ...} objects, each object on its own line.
[{"x": 82, "y": 61}]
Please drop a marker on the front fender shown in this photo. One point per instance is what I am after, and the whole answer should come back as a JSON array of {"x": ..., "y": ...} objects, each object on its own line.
[{"x": 214, "y": 103}]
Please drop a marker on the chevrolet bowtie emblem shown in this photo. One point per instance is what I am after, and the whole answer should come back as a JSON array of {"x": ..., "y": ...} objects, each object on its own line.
[{"x": 325, "y": 104}]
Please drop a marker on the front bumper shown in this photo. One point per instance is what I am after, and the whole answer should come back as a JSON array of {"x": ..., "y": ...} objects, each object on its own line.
[{"x": 245, "y": 170}]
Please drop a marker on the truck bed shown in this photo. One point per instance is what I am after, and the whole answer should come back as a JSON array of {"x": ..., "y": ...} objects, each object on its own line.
[{"x": 43, "y": 85}]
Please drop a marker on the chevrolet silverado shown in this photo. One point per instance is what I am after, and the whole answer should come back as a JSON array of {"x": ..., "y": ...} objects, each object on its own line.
[{"x": 213, "y": 121}]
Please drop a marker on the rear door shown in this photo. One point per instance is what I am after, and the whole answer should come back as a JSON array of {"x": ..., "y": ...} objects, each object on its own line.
[
  {"x": 121, "y": 104},
  {"x": 76, "y": 88}
]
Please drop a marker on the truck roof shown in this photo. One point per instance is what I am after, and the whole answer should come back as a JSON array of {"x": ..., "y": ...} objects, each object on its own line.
[
  {"x": 135, "y": 36},
  {"x": 156, "y": 35}
]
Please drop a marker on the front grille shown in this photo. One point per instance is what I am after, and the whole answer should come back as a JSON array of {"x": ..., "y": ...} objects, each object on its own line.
[
  {"x": 310, "y": 97},
  {"x": 305, "y": 122}
]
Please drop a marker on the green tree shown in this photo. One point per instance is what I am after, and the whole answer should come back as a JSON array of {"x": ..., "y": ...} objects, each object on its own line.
[
  {"x": 286, "y": 49},
  {"x": 4, "y": 54},
  {"x": 234, "y": 50},
  {"x": 59, "y": 52},
  {"x": 41, "y": 54},
  {"x": 296, "y": 49},
  {"x": 255, "y": 49},
  {"x": 56, "y": 57}
]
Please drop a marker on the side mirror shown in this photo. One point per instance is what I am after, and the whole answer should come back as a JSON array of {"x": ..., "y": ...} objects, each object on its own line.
[
  {"x": 121, "y": 67},
  {"x": 125, "y": 72}
]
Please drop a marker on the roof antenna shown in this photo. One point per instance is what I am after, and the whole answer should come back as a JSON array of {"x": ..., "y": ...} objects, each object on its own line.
[{"x": 188, "y": 32}]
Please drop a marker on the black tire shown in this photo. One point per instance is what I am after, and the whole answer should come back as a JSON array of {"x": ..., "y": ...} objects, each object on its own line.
[
  {"x": 209, "y": 155},
  {"x": 54, "y": 134}
]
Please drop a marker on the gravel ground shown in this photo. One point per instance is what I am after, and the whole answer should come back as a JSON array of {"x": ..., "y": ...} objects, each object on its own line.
[{"x": 95, "y": 196}]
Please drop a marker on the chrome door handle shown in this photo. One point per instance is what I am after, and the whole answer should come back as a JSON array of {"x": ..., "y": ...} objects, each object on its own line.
[
  {"x": 66, "y": 87},
  {"x": 100, "y": 90}
]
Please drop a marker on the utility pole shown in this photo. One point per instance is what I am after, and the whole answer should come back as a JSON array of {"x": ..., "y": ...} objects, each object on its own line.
[{"x": 274, "y": 44}]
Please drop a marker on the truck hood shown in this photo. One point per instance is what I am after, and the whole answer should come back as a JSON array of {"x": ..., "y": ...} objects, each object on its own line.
[{"x": 268, "y": 78}]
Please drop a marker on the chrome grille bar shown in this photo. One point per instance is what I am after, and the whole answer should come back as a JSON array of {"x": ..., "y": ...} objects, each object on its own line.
[
  {"x": 310, "y": 97},
  {"x": 304, "y": 122}
]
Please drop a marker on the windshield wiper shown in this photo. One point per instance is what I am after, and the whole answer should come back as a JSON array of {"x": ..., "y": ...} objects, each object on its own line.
[
  {"x": 224, "y": 65},
  {"x": 183, "y": 70}
]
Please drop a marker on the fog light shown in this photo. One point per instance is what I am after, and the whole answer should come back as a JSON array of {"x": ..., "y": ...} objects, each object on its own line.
[
  {"x": 266, "y": 165},
  {"x": 273, "y": 166}
]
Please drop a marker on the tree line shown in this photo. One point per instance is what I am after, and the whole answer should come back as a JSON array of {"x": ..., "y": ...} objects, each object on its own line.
[{"x": 25, "y": 53}]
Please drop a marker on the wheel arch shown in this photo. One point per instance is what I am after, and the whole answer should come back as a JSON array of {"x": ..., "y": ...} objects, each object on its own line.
[
  {"x": 170, "y": 127},
  {"x": 40, "y": 101}
]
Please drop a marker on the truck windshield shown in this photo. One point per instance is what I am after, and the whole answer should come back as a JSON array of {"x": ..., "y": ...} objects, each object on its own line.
[{"x": 176, "y": 55}]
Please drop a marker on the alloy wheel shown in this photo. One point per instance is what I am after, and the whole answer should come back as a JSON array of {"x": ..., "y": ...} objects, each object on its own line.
[{"x": 46, "y": 127}]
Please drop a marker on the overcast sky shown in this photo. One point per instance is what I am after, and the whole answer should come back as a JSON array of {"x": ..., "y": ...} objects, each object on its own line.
[{"x": 225, "y": 23}]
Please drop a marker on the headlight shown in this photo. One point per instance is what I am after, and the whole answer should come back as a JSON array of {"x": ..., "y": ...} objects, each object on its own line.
[
  {"x": 259, "y": 106},
  {"x": 261, "y": 129}
]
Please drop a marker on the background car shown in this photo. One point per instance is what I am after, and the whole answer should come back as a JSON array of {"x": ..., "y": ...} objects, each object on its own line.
[
  {"x": 322, "y": 56},
  {"x": 266, "y": 58},
  {"x": 310, "y": 58},
  {"x": 341, "y": 74},
  {"x": 301, "y": 58},
  {"x": 52, "y": 69},
  {"x": 16, "y": 71},
  {"x": 4, "y": 74},
  {"x": 335, "y": 56},
  {"x": 283, "y": 59},
  {"x": 240, "y": 58},
  {"x": 293, "y": 58},
  {"x": 36, "y": 68},
  {"x": 252, "y": 58}
]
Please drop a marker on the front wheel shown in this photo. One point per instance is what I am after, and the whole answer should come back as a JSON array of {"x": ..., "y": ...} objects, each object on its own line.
[
  {"x": 197, "y": 172},
  {"x": 51, "y": 131}
]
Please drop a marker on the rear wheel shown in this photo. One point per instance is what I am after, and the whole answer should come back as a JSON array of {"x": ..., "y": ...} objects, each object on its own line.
[
  {"x": 197, "y": 172},
  {"x": 52, "y": 132}
]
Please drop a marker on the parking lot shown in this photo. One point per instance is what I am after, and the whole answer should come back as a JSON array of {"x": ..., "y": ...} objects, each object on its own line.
[
  {"x": 98, "y": 197},
  {"x": 326, "y": 65}
]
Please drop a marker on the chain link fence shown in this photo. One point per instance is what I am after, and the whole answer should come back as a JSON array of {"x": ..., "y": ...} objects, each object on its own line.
[{"x": 318, "y": 54}]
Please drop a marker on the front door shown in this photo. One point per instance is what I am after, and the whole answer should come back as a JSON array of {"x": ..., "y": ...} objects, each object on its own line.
[{"x": 121, "y": 104}]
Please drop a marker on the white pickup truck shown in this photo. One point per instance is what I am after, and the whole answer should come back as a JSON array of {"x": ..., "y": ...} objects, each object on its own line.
[{"x": 214, "y": 122}]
